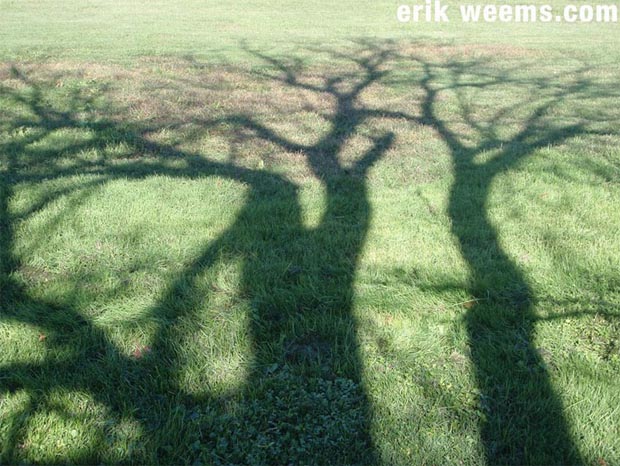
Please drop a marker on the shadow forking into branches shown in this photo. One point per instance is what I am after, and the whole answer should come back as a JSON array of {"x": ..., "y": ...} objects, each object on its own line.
[
  {"x": 308, "y": 341},
  {"x": 304, "y": 392}
]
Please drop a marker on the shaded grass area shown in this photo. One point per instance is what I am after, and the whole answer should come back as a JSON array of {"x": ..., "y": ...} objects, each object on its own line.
[{"x": 407, "y": 256}]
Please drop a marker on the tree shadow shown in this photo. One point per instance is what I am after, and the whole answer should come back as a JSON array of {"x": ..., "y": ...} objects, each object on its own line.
[
  {"x": 524, "y": 420},
  {"x": 304, "y": 392},
  {"x": 306, "y": 340}
]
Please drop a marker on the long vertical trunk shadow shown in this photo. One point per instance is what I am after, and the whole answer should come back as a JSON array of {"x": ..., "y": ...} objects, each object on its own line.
[
  {"x": 305, "y": 335},
  {"x": 523, "y": 417}
]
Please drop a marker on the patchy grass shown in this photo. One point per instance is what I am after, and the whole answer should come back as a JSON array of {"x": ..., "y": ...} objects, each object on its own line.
[{"x": 406, "y": 254}]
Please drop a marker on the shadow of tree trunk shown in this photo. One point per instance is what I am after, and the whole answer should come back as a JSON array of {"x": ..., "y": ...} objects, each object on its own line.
[{"x": 523, "y": 416}]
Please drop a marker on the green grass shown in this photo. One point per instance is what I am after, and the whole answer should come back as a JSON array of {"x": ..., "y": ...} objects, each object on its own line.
[
  {"x": 109, "y": 30},
  {"x": 387, "y": 246}
]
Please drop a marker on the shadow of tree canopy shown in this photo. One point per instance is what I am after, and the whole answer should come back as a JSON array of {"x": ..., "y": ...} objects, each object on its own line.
[{"x": 304, "y": 391}]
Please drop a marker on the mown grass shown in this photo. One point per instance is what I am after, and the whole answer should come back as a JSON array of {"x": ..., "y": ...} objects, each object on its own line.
[
  {"x": 399, "y": 252},
  {"x": 211, "y": 30}
]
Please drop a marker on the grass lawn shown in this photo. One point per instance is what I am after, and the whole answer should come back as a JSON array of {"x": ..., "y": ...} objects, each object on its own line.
[{"x": 292, "y": 232}]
